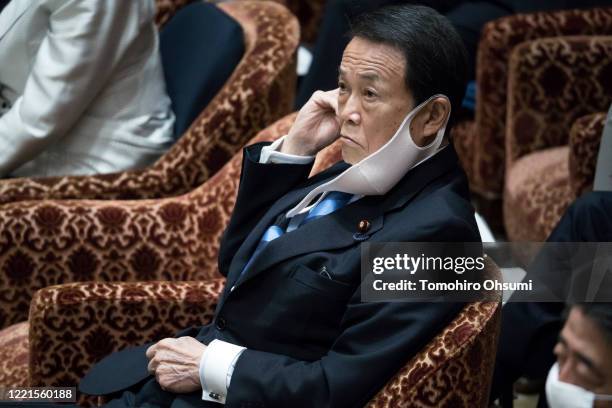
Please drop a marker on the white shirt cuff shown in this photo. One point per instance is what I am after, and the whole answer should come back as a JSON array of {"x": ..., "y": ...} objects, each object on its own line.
[
  {"x": 216, "y": 369},
  {"x": 272, "y": 154}
]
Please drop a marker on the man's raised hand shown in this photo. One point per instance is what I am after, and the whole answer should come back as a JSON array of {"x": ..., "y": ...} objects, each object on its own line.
[{"x": 317, "y": 125}]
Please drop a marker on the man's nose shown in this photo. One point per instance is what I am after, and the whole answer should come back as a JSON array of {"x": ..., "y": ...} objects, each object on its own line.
[
  {"x": 349, "y": 112},
  {"x": 567, "y": 372}
]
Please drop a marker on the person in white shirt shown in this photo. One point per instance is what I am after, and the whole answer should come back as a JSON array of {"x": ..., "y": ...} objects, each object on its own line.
[{"x": 81, "y": 88}]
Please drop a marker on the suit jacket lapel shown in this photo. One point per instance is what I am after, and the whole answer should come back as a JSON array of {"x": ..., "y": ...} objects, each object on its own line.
[
  {"x": 281, "y": 206},
  {"x": 338, "y": 229},
  {"x": 11, "y": 14},
  {"x": 325, "y": 233}
]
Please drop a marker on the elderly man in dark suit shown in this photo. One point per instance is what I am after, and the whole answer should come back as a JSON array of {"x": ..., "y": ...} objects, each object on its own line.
[{"x": 290, "y": 329}]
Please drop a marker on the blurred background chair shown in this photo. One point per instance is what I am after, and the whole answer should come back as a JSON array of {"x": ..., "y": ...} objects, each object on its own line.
[
  {"x": 259, "y": 90},
  {"x": 72, "y": 326},
  {"x": 481, "y": 143},
  {"x": 559, "y": 92},
  {"x": 48, "y": 242},
  {"x": 309, "y": 14}
]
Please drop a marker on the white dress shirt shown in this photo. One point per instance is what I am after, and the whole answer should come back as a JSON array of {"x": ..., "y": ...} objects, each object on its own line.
[{"x": 81, "y": 88}]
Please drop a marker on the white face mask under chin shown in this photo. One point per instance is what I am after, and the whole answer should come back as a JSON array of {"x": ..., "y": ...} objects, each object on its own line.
[
  {"x": 380, "y": 171},
  {"x": 564, "y": 395}
]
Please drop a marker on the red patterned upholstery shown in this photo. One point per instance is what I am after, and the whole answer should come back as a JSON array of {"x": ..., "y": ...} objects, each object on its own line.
[
  {"x": 259, "y": 91},
  {"x": 537, "y": 194},
  {"x": 454, "y": 370},
  {"x": 553, "y": 82},
  {"x": 584, "y": 141},
  {"x": 44, "y": 243},
  {"x": 14, "y": 354},
  {"x": 481, "y": 144},
  {"x": 91, "y": 320}
]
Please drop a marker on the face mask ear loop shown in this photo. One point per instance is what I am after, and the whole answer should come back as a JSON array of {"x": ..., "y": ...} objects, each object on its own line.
[
  {"x": 358, "y": 171},
  {"x": 437, "y": 142}
]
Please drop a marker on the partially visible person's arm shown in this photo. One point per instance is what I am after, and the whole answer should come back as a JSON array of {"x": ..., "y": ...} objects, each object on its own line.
[{"x": 85, "y": 41}]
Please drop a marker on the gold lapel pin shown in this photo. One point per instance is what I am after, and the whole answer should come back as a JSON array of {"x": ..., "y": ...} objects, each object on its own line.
[{"x": 364, "y": 226}]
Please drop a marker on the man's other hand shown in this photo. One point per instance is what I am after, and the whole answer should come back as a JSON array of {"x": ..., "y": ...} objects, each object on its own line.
[
  {"x": 175, "y": 363},
  {"x": 317, "y": 125}
]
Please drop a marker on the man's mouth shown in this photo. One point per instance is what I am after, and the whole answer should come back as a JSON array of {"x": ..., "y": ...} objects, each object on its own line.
[{"x": 348, "y": 139}]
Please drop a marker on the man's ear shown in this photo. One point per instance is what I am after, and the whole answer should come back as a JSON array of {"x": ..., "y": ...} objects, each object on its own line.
[
  {"x": 429, "y": 120},
  {"x": 436, "y": 114}
]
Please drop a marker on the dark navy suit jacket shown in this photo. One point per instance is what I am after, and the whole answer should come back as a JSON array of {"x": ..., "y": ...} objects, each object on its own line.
[{"x": 310, "y": 340}]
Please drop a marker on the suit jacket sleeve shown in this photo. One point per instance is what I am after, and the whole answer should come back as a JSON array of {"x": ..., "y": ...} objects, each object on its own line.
[
  {"x": 260, "y": 186},
  {"x": 376, "y": 340},
  {"x": 85, "y": 41}
]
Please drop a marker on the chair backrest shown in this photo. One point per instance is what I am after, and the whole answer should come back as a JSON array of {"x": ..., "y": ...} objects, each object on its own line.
[
  {"x": 586, "y": 135},
  {"x": 200, "y": 48},
  {"x": 552, "y": 83},
  {"x": 456, "y": 368},
  {"x": 497, "y": 40}
]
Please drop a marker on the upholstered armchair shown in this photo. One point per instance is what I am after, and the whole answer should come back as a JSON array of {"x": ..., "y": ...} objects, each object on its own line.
[
  {"x": 551, "y": 146},
  {"x": 481, "y": 143},
  {"x": 44, "y": 243},
  {"x": 259, "y": 91},
  {"x": 72, "y": 326}
]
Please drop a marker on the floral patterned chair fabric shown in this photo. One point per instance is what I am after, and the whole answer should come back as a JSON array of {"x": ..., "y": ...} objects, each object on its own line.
[
  {"x": 481, "y": 143},
  {"x": 259, "y": 91},
  {"x": 584, "y": 141},
  {"x": 74, "y": 325},
  {"x": 44, "y": 243},
  {"x": 551, "y": 147}
]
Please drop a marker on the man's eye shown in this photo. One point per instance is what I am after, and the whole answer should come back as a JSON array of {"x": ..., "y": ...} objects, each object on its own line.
[
  {"x": 369, "y": 93},
  {"x": 342, "y": 86},
  {"x": 587, "y": 375}
]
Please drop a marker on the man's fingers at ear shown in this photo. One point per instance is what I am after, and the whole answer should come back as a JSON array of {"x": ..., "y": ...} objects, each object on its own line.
[
  {"x": 327, "y": 100},
  {"x": 332, "y": 98}
]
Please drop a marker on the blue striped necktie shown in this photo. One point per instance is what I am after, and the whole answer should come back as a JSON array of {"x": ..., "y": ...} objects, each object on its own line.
[{"x": 330, "y": 203}]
